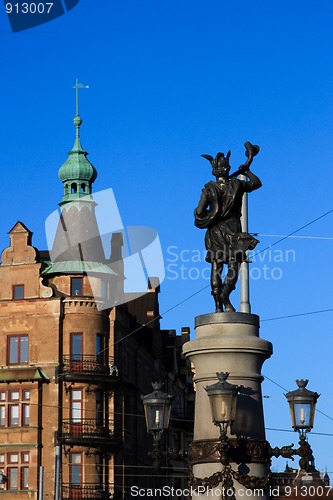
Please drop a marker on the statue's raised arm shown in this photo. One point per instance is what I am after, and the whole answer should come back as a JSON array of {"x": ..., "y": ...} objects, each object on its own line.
[{"x": 219, "y": 211}]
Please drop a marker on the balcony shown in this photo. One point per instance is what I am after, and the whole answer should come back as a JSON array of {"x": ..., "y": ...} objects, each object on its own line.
[
  {"x": 87, "y": 491},
  {"x": 88, "y": 368},
  {"x": 87, "y": 433}
]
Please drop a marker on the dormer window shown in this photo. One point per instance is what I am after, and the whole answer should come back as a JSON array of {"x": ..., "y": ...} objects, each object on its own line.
[
  {"x": 18, "y": 292},
  {"x": 77, "y": 286}
]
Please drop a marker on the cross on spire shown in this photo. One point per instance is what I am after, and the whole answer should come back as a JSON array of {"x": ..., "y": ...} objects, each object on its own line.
[{"x": 78, "y": 86}]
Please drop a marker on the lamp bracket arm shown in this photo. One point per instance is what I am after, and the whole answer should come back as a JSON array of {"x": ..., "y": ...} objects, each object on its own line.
[{"x": 284, "y": 451}]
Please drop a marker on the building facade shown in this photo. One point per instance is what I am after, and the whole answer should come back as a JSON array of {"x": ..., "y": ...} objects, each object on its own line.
[{"x": 72, "y": 370}]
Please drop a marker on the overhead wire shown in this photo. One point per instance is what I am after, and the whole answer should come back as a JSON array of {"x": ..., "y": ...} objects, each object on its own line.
[
  {"x": 282, "y": 238},
  {"x": 286, "y": 390},
  {"x": 296, "y": 237},
  {"x": 160, "y": 316}
]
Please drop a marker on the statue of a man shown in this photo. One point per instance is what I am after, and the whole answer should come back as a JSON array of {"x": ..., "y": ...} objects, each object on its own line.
[{"x": 219, "y": 211}]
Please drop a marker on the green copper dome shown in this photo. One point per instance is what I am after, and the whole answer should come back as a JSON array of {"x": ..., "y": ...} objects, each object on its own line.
[{"x": 77, "y": 173}]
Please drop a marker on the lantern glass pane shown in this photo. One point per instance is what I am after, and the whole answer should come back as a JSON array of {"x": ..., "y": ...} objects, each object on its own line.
[
  {"x": 157, "y": 416},
  {"x": 223, "y": 407},
  {"x": 302, "y": 415}
]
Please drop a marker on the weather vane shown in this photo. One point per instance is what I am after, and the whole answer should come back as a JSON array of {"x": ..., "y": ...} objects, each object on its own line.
[{"x": 78, "y": 86}]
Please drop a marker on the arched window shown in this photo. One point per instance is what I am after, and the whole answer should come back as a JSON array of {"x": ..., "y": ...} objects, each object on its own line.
[
  {"x": 83, "y": 188},
  {"x": 73, "y": 188}
]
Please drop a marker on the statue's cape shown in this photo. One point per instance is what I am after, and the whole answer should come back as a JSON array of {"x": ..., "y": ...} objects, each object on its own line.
[{"x": 218, "y": 210}]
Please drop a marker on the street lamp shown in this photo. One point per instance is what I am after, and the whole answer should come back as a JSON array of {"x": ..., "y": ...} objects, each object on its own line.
[
  {"x": 302, "y": 405},
  {"x": 157, "y": 408},
  {"x": 223, "y": 400}
]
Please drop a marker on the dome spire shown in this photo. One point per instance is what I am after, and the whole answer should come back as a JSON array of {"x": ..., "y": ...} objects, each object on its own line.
[
  {"x": 77, "y": 173},
  {"x": 78, "y": 120}
]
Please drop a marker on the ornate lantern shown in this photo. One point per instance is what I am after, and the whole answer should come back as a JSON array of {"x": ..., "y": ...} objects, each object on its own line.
[
  {"x": 223, "y": 399},
  {"x": 157, "y": 408},
  {"x": 302, "y": 405}
]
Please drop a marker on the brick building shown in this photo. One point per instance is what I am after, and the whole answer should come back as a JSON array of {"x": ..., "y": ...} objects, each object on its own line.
[
  {"x": 71, "y": 371},
  {"x": 297, "y": 483}
]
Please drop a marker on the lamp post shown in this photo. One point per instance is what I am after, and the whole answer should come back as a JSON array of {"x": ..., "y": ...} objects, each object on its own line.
[
  {"x": 223, "y": 404},
  {"x": 302, "y": 405},
  {"x": 157, "y": 408}
]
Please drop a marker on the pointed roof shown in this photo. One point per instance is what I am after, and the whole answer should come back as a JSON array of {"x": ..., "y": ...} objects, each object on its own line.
[
  {"x": 19, "y": 227},
  {"x": 77, "y": 166},
  {"x": 77, "y": 173}
]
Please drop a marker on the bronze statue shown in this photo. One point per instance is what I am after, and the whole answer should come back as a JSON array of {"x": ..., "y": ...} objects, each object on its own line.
[{"x": 219, "y": 211}]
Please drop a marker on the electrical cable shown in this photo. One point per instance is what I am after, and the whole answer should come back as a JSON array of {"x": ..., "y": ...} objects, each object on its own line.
[
  {"x": 297, "y": 315},
  {"x": 298, "y": 237},
  {"x": 294, "y": 232},
  {"x": 160, "y": 316},
  {"x": 286, "y": 390}
]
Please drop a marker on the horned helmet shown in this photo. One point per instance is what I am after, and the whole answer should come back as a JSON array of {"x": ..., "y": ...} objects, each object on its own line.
[{"x": 219, "y": 163}]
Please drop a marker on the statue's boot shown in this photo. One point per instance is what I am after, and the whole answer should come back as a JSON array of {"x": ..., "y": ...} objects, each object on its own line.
[
  {"x": 218, "y": 301},
  {"x": 227, "y": 289}
]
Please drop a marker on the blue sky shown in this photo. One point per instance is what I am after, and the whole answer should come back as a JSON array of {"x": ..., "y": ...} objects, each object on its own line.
[{"x": 170, "y": 80}]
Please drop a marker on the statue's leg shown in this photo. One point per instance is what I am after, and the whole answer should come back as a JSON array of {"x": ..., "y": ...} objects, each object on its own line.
[
  {"x": 216, "y": 284},
  {"x": 230, "y": 285}
]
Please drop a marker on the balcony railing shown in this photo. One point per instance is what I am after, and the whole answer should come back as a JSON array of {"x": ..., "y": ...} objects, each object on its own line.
[
  {"x": 87, "y": 491},
  {"x": 88, "y": 363},
  {"x": 89, "y": 430}
]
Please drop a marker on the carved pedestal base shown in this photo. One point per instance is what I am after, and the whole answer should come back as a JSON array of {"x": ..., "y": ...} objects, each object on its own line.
[{"x": 230, "y": 342}]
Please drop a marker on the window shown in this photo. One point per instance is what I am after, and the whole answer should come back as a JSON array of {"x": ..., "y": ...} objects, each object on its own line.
[
  {"x": 14, "y": 466},
  {"x": 24, "y": 478},
  {"x": 26, "y": 395},
  {"x": 25, "y": 415},
  {"x": 99, "y": 409},
  {"x": 13, "y": 415},
  {"x": 2, "y": 469},
  {"x": 100, "y": 351},
  {"x": 13, "y": 458},
  {"x": 76, "y": 406},
  {"x": 15, "y": 408},
  {"x": 76, "y": 346},
  {"x": 12, "y": 473},
  {"x": 104, "y": 289},
  {"x": 18, "y": 292},
  {"x": 75, "y": 469},
  {"x": 76, "y": 286},
  {"x": 2, "y": 415},
  {"x": 17, "y": 349}
]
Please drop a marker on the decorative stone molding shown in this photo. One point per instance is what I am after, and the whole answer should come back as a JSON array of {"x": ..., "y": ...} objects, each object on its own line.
[
  {"x": 81, "y": 302},
  {"x": 241, "y": 450},
  {"x": 225, "y": 477}
]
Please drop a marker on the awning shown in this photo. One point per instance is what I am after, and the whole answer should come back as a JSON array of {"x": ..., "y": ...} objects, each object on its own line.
[{"x": 23, "y": 375}]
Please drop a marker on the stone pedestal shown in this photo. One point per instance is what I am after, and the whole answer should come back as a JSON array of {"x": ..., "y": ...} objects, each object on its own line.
[{"x": 229, "y": 342}]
